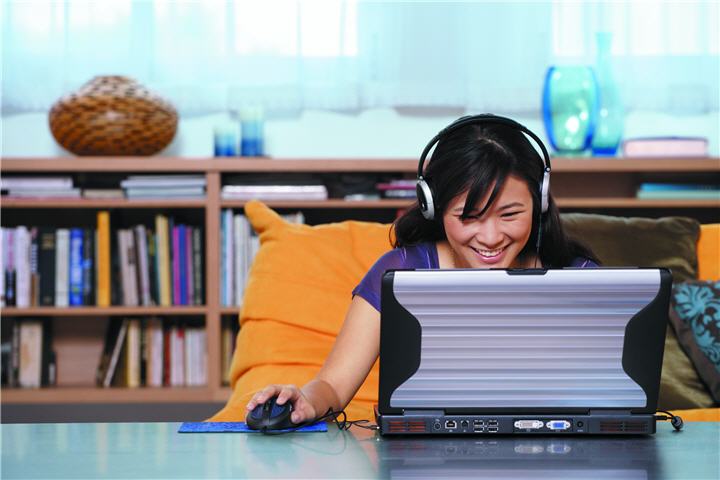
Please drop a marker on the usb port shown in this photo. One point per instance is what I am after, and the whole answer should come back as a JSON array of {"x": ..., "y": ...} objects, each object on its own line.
[
  {"x": 478, "y": 429},
  {"x": 492, "y": 423},
  {"x": 478, "y": 423},
  {"x": 450, "y": 424},
  {"x": 492, "y": 429}
]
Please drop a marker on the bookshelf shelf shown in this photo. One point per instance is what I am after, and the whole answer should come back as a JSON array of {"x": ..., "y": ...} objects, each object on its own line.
[
  {"x": 596, "y": 185},
  {"x": 100, "y": 311},
  {"x": 106, "y": 395},
  {"x": 62, "y": 203}
]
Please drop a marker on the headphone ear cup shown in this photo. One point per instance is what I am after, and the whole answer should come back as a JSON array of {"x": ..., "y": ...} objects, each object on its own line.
[
  {"x": 544, "y": 192},
  {"x": 425, "y": 199}
]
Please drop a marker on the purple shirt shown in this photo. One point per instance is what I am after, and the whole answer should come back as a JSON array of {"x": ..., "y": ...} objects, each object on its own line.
[{"x": 423, "y": 255}]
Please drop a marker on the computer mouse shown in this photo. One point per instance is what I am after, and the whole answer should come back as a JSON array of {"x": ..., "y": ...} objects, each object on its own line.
[{"x": 270, "y": 416}]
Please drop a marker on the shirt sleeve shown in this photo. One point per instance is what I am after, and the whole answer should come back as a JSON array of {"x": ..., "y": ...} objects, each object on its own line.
[
  {"x": 369, "y": 286},
  {"x": 582, "y": 262}
]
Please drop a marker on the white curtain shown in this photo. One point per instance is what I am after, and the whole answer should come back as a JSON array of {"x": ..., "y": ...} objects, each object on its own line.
[{"x": 288, "y": 55}]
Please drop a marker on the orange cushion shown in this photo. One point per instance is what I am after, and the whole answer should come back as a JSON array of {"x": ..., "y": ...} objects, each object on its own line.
[
  {"x": 298, "y": 291},
  {"x": 708, "y": 252},
  {"x": 699, "y": 415}
]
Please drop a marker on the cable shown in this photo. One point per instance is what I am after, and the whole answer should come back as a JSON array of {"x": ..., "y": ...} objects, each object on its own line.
[
  {"x": 343, "y": 424},
  {"x": 675, "y": 420}
]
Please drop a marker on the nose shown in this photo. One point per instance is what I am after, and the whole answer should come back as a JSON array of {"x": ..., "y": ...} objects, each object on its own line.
[{"x": 489, "y": 234}]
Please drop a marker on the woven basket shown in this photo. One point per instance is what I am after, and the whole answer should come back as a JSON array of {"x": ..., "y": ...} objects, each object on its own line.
[{"x": 113, "y": 115}]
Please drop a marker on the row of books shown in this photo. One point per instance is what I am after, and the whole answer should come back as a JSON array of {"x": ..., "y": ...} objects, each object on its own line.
[
  {"x": 27, "y": 358},
  {"x": 133, "y": 187},
  {"x": 45, "y": 266},
  {"x": 153, "y": 352},
  {"x": 238, "y": 247},
  {"x": 228, "y": 335},
  {"x": 678, "y": 191}
]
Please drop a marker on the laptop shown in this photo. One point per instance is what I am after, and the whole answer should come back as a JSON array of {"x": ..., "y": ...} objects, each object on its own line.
[{"x": 521, "y": 351}]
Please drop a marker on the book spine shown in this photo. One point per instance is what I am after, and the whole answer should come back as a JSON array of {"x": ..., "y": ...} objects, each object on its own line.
[
  {"x": 76, "y": 267},
  {"x": 124, "y": 262},
  {"x": 189, "y": 266},
  {"x": 62, "y": 266},
  {"x": 22, "y": 267},
  {"x": 197, "y": 266},
  {"x": 132, "y": 269},
  {"x": 223, "y": 254},
  {"x": 9, "y": 272},
  {"x": 115, "y": 356},
  {"x": 163, "y": 250},
  {"x": 238, "y": 259},
  {"x": 34, "y": 268},
  {"x": 47, "y": 375},
  {"x": 103, "y": 259},
  {"x": 132, "y": 352},
  {"x": 152, "y": 268},
  {"x": 87, "y": 266},
  {"x": 182, "y": 262},
  {"x": 143, "y": 264},
  {"x": 31, "y": 334},
  {"x": 3, "y": 263},
  {"x": 176, "y": 265},
  {"x": 46, "y": 266}
]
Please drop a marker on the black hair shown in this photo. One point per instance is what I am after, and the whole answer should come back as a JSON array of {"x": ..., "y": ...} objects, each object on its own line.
[{"x": 478, "y": 157}]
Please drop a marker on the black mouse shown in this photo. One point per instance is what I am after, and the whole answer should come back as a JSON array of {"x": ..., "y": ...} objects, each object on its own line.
[{"x": 270, "y": 416}]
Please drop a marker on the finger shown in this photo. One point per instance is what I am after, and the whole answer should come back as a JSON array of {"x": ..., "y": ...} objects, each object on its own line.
[
  {"x": 262, "y": 396},
  {"x": 288, "y": 392}
]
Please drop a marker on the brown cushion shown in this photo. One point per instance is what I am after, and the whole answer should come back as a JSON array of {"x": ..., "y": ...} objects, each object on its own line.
[
  {"x": 641, "y": 242},
  {"x": 695, "y": 316}
]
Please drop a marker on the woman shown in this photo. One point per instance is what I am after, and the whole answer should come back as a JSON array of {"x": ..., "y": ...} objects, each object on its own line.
[{"x": 483, "y": 207}]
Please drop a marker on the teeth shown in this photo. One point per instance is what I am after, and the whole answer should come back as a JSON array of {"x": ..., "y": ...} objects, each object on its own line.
[{"x": 489, "y": 253}]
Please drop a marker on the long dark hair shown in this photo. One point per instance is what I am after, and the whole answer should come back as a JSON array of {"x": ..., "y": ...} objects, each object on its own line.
[{"x": 475, "y": 158}]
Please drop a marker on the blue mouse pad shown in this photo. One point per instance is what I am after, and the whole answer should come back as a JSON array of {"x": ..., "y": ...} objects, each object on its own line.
[{"x": 240, "y": 427}]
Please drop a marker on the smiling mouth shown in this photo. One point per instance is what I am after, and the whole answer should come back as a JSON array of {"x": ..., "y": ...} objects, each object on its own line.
[{"x": 488, "y": 253}]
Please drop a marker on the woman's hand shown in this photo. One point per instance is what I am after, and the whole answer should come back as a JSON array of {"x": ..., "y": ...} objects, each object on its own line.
[{"x": 302, "y": 409}]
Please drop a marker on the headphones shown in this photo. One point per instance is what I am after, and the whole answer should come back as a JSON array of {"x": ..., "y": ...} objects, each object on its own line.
[{"x": 423, "y": 190}]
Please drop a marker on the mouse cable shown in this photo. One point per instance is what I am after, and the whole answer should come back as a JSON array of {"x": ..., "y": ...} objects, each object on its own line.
[
  {"x": 675, "y": 420},
  {"x": 343, "y": 424}
]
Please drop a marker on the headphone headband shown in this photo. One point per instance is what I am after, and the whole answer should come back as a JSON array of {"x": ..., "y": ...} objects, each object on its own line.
[{"x": 483, "y": 118}]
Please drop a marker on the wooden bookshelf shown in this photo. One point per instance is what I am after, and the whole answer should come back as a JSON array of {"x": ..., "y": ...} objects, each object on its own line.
[{"x": 603, "y": 185}]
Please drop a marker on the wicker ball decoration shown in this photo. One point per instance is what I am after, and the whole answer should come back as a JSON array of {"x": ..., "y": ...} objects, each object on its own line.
[{"x": 113, "y": 115}]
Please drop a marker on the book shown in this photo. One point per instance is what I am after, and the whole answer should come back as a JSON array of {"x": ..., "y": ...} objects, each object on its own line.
[
  {"x": 189, "y": 267},
  {"x": 175, "y": 255},
  {"x": 197, "y": 266},
  {"x": 76, "y": 267},
  {"x": 163, "y": 259},
  {"x": 62, "y": 267},
  {"x": 143, "y": 264},
  {"x": 165, "y": 192},
  {"x": 156, "y": 351},
  {"x": 115, "y": 355},
  {"x": 132, "y": 352},
  {"x": 34, "y": 273},
  {"x": 21, "y": 250},
  {"x": 31, "y": 345},
  {"x": 274, "y": 192},
  {"x": 665, "y": 147},
  {"x": 103, "y": 193},
  {"x": 46, "y": 266},
  {"x": 43, "y": 193},
  {"x": 687, "y": 191},
  {"x": 34, "y": 183},
  {"x": 103, "y": 259},
  {"x": 163, "y": 181}
]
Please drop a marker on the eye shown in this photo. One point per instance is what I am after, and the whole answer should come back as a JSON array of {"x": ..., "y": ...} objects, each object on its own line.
[
  {"x": 510, "y": 214},
  {"x": 469, "y": 218}
]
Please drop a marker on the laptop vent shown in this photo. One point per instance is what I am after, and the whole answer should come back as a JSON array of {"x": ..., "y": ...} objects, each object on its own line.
[
  {"x": 530, "y": 341},
  {"x": 613, "y": 426},
  {"x": 402, "y": 426}
]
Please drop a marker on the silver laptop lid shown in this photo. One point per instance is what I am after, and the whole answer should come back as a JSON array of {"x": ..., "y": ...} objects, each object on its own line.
[{"x": 512, "y": 339}]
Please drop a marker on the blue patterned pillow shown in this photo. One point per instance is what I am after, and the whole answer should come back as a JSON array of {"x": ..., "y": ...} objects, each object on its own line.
[{"x": 695, "y": 315}]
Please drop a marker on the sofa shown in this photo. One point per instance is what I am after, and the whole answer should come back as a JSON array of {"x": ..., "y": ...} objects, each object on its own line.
[{"x": 299, "y": 288}]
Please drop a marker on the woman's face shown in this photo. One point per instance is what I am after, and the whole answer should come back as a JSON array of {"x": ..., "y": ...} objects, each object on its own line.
[{"x": 496, "y": 239}]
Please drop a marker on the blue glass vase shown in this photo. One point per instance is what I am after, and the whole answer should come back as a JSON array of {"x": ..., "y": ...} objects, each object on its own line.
[
  {"x": 610, "y": 113},
  {"x": 570, "y": 99}
]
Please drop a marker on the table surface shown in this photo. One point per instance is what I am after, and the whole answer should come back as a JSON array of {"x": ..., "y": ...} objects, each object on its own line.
[{"x": 155, "y": 450}]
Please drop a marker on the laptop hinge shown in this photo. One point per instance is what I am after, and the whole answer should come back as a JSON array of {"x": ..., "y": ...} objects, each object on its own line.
[
  {"x": 609, "y": 411},
  {"x": 424, "y": 413}
]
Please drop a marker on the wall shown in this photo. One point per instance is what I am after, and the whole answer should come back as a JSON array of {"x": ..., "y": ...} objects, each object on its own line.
[{"x": 378, "y": 133}]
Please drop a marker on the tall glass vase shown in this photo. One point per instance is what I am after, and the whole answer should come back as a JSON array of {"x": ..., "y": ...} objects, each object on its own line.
[
  {"x": 610, "y": 113},
  {"x": 569, "y": 108}
]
